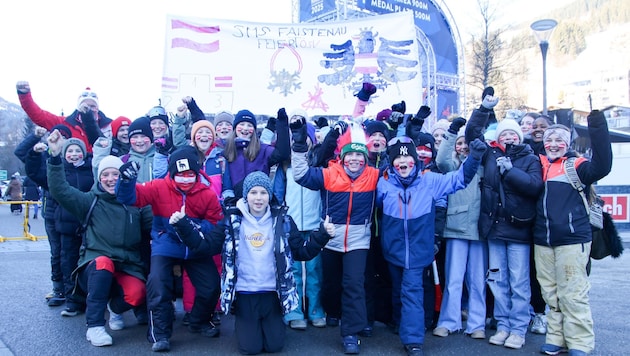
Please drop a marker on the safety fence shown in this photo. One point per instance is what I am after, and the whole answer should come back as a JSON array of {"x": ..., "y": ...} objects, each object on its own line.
[{"x": 26, "y": 227}]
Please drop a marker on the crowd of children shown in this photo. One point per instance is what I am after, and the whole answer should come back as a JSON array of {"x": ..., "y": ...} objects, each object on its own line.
[{"x": 339, "y": 225}]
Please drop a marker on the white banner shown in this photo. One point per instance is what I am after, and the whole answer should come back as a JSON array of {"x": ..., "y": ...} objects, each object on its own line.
[{"x": 233, "y": 65}]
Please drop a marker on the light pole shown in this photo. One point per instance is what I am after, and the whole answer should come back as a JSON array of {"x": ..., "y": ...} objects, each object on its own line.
[{"x": 542, "y": 31}]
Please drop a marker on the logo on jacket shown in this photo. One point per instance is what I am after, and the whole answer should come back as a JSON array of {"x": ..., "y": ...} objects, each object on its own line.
[{"x": 256, "y": 239}]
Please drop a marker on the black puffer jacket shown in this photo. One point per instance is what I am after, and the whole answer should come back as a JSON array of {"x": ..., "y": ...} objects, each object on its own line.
[{"x": 508, "y": 201}]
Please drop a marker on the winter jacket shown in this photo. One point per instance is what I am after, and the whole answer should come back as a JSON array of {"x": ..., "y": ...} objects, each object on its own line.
[
  {"x": 31, "y": 190},
  {"x": 512, "y": 218},
  {"x": 113, "y": 230},
  {"x": 562, "y": 218},
  {"x": 349, "y": 203},
  {"x": 288, "y": 245},
  {"x": 202, "y": 205},
  {"x": 462, "y": 216},
  {"x": 74, "y": 121},
  {"x": 408, "y": 223},
  {"x": 14, "y": 189}
]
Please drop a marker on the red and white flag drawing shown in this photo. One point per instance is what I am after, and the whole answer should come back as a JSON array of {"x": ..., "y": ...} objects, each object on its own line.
[{"x": 190, "y": 31}]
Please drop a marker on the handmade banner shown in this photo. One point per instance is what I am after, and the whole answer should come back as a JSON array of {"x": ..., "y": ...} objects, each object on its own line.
[{"x": 233, "y": 65}]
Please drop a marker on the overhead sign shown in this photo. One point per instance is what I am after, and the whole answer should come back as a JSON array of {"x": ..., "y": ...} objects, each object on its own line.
[{"x": 233, "y": 65}]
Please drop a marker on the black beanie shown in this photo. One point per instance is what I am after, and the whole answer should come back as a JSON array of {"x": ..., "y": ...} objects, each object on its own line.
[
  {"x": 376, "y": 126},
  {"x": 183, "y": 159},
  {"x": 141, "y": 125},
  {"x": 427, "y": 140},
  {"x": 402, "y": 146}
]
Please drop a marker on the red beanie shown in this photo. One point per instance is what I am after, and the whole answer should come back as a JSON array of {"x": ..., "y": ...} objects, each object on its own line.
[{"x": 116, "y": 124}]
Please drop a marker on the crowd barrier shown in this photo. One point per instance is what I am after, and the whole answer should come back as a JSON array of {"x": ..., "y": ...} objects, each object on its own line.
[{"x": 26, "y": 227}]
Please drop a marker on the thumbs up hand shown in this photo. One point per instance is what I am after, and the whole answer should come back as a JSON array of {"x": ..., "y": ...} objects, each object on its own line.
[
  {"x": 177, "y": 216},
  {"x": 329, "y": 227}
]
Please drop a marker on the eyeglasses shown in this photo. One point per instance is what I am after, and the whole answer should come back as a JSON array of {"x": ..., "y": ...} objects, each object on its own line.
[
  {"x": 399, "y": 139},
  {"x": 157, "y": 111}
]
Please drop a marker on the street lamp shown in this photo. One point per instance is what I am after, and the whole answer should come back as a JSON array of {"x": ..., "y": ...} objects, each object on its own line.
[{"x": 542, "y": 31}]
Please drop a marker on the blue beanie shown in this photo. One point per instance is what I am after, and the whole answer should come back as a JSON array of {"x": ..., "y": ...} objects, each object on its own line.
[
  {"x": 256, "y": 179},
  {"x": 244, "y": 116},
  {"x": 141, "y": 125}
]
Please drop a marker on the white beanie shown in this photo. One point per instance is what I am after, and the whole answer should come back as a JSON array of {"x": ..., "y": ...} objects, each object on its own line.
[
  {"x": 87, "y": 94},
  {"x": 108, "y": 162},
  {"x": 509, "y": 124}
]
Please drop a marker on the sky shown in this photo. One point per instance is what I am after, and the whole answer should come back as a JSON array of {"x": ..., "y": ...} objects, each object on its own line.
[{"x": 116, "y": 47}]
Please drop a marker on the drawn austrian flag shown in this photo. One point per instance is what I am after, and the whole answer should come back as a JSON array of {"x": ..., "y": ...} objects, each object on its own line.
[{"x": 196, "y": 38}]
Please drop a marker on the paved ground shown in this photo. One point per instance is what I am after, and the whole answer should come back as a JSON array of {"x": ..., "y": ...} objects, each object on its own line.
[{"x": 29, "y": 327}]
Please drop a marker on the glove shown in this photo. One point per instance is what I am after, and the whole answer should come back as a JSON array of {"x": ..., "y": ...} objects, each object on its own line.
[
  {"x": 504, "y": 164},
  {"x": 489, "y": 102},
  {"x": 365, "y": 92},
  {"x": 299, "y": 134},
  {"x": 487, "y": 91},
  {"x": 271, "y": 124},
  {"x": 423, "y": 112},
  {"x": 477, "y": 149},
  {"x": 177, "y": 216},
  {"x": 161, "y": 146},
  {"x": 395, "y": 119},
  {"x": 401, "y": 107},
  {"x": 231, "y": 201},
  {"x": 129, "y": 170},
  {"x": 457, "y": 124},
  {"x": 283, "y": 117},
  {"x": 341, "y": 127},
  {"x": 22, "y": 87}
]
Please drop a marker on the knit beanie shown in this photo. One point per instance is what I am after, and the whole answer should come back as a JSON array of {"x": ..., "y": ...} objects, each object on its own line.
[
  {"x": 245, "y": 116},
  {"x": 256, "y": 179},
  {"x": 383, "y": 115},
  {"x": 461, "y": 132},
  {"x": 223, "y": 116},
  {"x": 63, "y": 130},
  {"x": 158, "y": 113},
  {"x": 74, "y": 141},
  {"x": 514, "y": 114},
  {"x": 118, "y": 123},
  {"x": 402, "y": 146},
  {"x": 562, "y": 131},
  {"x": 199, "y": 124},
  {"x": 375, "y": 126},
  {"x": 108, "y": 162},
  {"x": 490, "y": 132},
  {"x": 299, "y": 112},
  {"x": 425, "y": 140},
  {"x": 87, "y": 94},
  {"x": 440, "y": 124},
  {"x": 509, "y": 124},
  {"x": 354, "y": 147},
  {"x": 141, "y": 125},
  {"x": 183, "y": 159}
]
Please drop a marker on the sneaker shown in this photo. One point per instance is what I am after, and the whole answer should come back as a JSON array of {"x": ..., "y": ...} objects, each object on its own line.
[
  {"x": 116, "y": 321},
  {"x": 331, "y": 321},
  {"x": 514, "y": 341},
  {"x": 478, "y": 334},
  {"x": 574, "y": 352},
  {"x": 550, "y": 349},
  {"x": 414, "y": 350},
  {"x": 351, "y": 344},
  {"x": 367, "y": 331},
  {"x": 440, "y": 331},
  {"x": 539, "y": 324},
  {"x": 319, "y": 322},
  {"x": 216, "y": 318},
  {"x": 298, "y": 324},
  {"x": 161, "y": 345},
  {"x": 56, "y": 299},
  {"x": 98, "y": 336},
  {"x": 499, "y": 338},
  {"x": 207, "y": 330},
  {"x": 186, "y": 319},
  {"x": 70, "y": 312}
]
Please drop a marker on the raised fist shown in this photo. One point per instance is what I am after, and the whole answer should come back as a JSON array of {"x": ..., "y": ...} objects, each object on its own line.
[
  {"x": 23, "y": 87},
  {"x": 129, "y": 170}
]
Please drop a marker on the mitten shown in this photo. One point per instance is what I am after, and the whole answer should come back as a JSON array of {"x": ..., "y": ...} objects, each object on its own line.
[
  {"x": 366, "y": 91},
  {"x": 487, "y": 91},
  {"x": 595, "y": 117},
  {"x": 161, "y": 145},
  {"x": 504, "y": 164},
  {"x": 271, "y": 124},
  {"x": 477, "y": 149},
  {"x": 489, "y": 102},
  {"x": 129, "y": 170},
  {"x": 283, "y": 117},
  {"x": 457, "y": 124},
  {"x": 395, "y": 119},
  {"x": 400, "y": 107},
  {"x": 340, "y": 127},
  {"x": 229, "y": 202}
]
